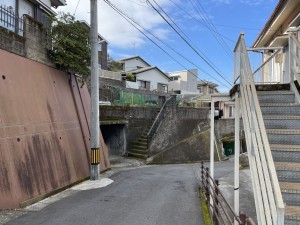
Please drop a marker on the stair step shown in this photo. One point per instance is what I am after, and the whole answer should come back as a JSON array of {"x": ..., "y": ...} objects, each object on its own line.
[
  {"x": 290, "y": 193},
  {"x": 138, "y": 151},
  {"x": 285, "y": 153},
  {"x": 291, "y": 213},
  {"x": 137, "y": 143},
  {"x": 284, "y": 109},
  {"x": 287, "y": 187},
  {"x": 143, "y": 140},
  {"x": 283, "y": 136},
  {"x": 139, "y": 147},
  {"x": 285, "y": 92},
  {"x": 288, "y": 172},
  {"x": 276, "y": 96},
  {"x": 282, "y": 122},
  {"x": 135, "y": 155}
]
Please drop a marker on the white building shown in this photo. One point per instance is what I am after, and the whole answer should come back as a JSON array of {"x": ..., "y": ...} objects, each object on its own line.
[
  {"x": 147, "y": 77},
  {"x": 184, "y": 82},
  {"x": 133, "y": 63},
  {"x": 151, "y": 78}
]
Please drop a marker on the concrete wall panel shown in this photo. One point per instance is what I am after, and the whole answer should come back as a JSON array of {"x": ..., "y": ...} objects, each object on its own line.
[{"x": 44, "y": 131}]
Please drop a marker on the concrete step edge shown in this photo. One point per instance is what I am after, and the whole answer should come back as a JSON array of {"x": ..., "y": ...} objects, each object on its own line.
[
  {"x": 292, "y": 188},
  {"x": 280, "y": 117},
  {"x": 287, "y": 166},
  {"x": 288, "y": 148},
  {"x": 142, "y": 156},
  {"x": 282, "y": 131},
  {"x": 137, "y": 151},
  {"x": 292, "y": 212},
  {"x": 275, "y": 93},
  {"x": 279, "y": 105}
]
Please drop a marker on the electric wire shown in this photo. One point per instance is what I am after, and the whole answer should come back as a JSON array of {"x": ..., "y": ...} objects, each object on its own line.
[
  {"x": 188, "y": 43},
  {"x": 211, "y": 27},
  {"x": 199, "y": 21},
  {"x": 76, "y": 7},
  {"x": 186, "y": 36},
  {"x": 135, "y": 24}
]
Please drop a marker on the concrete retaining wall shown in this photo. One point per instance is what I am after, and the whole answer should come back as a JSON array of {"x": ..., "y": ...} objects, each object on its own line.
[
  {"x": 137, "y": 118},
  {"x": 44, "y": 130}
]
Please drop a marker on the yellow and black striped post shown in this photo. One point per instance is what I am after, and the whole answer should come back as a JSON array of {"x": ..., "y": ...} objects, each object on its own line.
[{"x": 95, "y": 156}]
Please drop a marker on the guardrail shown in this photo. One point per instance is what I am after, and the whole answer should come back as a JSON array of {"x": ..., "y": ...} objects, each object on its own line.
[
  {"x": 220, "y": 210},
  {"x": 267, "y": 195},
  {"x": 157, "y": 122}
]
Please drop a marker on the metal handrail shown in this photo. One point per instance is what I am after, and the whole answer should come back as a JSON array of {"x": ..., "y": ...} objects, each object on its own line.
[
  {"x": 268, "y": 199},
  {"x": 156, "y": 122},
  {"x": 220, "y": 212}
]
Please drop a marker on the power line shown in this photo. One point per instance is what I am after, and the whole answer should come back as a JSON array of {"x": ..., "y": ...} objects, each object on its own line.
[
  {"x": 76, "y": 7},
  {"x": 187, "y": 37},
  {"x": 211, "y": 27},
  {"x": 133, "y": 22},
  {"x": 189, "y": 44},
  {"x": 199, "y": 21},
  {"x": 139, "y": 4}
]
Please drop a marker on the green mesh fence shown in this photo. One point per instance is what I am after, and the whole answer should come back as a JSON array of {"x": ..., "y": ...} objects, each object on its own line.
[{"x": 127, "y": 98}]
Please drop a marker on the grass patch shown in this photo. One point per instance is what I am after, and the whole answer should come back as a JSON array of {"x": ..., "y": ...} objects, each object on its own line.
[{"x": 205, "y": 212}]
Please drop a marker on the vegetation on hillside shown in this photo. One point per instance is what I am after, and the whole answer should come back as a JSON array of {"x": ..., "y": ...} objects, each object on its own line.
[{"x": 69, "y": 48}]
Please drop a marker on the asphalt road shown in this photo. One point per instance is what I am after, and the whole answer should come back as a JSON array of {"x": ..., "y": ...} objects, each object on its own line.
[{"x": 156, "y": 195}]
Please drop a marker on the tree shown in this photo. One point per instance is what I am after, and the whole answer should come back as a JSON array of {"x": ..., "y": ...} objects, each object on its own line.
[
  {"x": 69, "y": 48},
  {"x": 113, "y": 65}
]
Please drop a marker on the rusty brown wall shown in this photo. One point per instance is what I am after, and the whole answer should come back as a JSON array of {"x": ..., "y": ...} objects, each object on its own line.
[{"x": 44, "y": 131}]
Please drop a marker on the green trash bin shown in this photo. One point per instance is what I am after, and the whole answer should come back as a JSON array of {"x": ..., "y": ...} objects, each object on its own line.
[{"x": 228, "y": 148}]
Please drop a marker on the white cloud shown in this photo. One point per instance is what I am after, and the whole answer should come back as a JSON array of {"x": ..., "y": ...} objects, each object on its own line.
[{"x": 116, "y": 29}]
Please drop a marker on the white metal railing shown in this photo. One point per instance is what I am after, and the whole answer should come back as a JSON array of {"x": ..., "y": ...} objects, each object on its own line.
[
  {"x": 268, "y": 199},
  {"x": 110, "y": 74},
  {"x": 294, "y": 63},
  {"x": 270, "y": 72}
]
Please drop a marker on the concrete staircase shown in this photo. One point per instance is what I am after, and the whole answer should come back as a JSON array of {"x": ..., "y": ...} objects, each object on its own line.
[
  {"x": 282, "y": 121},
  {"x": 139, "y": 147}
]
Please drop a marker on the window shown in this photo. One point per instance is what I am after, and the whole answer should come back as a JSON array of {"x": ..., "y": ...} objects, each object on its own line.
[
  {"x": 200, "y": 88},
  {"x": 231, "y": 111},
  {"x": 162, "y": 87},
  {"x": 142, "y": 84},
  {"x": 175, "y": 78}
]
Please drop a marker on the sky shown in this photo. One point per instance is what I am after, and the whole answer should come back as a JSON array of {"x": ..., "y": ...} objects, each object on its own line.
[{"x": 210, "y": 28}]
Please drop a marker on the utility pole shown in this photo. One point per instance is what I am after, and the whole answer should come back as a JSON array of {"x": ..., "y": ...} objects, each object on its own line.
[{"x": 95, "y": 126}]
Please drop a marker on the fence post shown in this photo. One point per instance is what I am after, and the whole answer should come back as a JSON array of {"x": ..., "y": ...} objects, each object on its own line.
[
  {"x": 207, "y": 186},
  {"x": 216, "y": 212},
  {"x": 202, "y": 175},
  {"x": 243, "y": 218}
]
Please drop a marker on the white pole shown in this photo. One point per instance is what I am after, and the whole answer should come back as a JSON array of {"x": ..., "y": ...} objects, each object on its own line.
[
  {"x": 212, "y": 135},
  {"x": 95, "y": 126},
  {"x": 236, "y": 157}
]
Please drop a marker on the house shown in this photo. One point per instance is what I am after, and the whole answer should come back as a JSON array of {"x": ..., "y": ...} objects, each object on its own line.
[
  {"x": 102, "y": 48},
  {"x": 206, "y": 87},
  {"x": 21, "y": 27},
  {"x": 133, "y": 63},
  {"x": 273, "y": 41},
  {"x": 146, "y": 76},
  {"x": 16, "y": 9},
  {"x": 184, "y": 82},
  {"x": 151, "y": 78}
]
